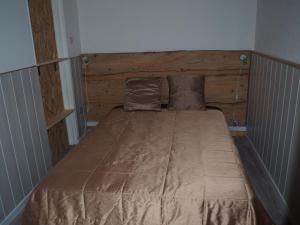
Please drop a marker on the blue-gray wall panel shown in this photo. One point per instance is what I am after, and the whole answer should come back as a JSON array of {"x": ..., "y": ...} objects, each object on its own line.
[
  {"x": 7, "y": 197},
  {"x": 264, "y": 117},
  {"x": 8, "y": 149},
  {"x": 274, "y": 109},
  {"x": 274, "y": 122},
  {"x": 25, "y": 126},
  {"x": 293, "y": 151},
  {"x": 278, "y": 119},
  {"x": 291, "y": 117},
  {"x": 36, "y": 93},
  {"x": 15, "y": 131},
  {"x": 24, "y": 148},
  {"x": 2, "y": 213},
  {"x": 284, "y": 119},
  {"x": 271, "y": 112},
  {"x": 251, "y": 94},
  {"x": 33, "y": 123},
  {"x": 261, "y": 106}
]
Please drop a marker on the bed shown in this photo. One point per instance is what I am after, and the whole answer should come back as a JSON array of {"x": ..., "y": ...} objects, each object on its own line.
[{"x": 148, "y": 168}]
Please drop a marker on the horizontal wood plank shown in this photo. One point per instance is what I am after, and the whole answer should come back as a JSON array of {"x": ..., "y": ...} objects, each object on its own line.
[
  {"x": 226, "y": 89},
  {"x": 59, "y": 117},
  {"x": 226, "y": 84},
  {"x": 165, "y": 62},
  {"x": 235, "y": 113}
]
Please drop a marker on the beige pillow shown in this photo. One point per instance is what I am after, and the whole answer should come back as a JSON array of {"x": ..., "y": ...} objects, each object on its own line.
[
  {"x": 186, "y": 92},
  {"x": 143, "y": 93}
]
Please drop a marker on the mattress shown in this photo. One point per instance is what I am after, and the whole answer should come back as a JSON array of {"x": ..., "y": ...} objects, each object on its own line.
[{"x": 148, "y": 168}]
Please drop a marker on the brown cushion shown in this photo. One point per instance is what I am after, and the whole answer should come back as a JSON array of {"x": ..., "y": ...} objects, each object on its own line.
[
  {"x": 143, "y": 93},
  {"x": 186, "y": 92}
]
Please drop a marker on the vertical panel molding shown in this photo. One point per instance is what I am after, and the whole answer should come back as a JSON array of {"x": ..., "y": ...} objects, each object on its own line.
[
  {"x": 24, "y": 148},
  {"x": 274, "y": 122}
]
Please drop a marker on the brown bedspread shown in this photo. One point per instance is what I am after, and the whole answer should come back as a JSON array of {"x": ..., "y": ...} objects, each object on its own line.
[{"x": 148, "y": 168}]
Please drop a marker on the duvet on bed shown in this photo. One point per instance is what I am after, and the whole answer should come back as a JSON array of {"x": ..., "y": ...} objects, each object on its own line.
[{"x": 148, "y": 168}]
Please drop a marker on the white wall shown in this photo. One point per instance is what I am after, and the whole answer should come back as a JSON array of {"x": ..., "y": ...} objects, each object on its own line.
[
  {"x": 278, "y": 28},
  {"x": 16, "y": 44},
  {"x": 157, "y": 25}
]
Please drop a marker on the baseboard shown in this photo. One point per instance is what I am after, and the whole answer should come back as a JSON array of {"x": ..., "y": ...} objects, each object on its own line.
[{"x": 283, "y": 202}]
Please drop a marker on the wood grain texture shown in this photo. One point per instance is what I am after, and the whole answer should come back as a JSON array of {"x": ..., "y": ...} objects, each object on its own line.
[
  {"x": 59, "y": 117},
  {"x": 234, "y": 112},
  {"x": 167, "y": 63},
  {"x": 226, "y": 89},
  {"x": 58, "y": 140},
  {"x": 43, "y": 30},
  {"x": 226, "y": 85},
  {"x": 54, "y": 110},
  {"x": 51, "y": 92}
]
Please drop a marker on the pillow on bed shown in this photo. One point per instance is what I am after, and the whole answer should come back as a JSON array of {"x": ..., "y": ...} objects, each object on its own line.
[
  {"x": 143, "y": 93},
  {"x": 186, "y": 92}
]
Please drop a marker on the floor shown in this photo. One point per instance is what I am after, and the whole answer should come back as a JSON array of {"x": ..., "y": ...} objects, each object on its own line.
[{"x": 259, "y": 179}]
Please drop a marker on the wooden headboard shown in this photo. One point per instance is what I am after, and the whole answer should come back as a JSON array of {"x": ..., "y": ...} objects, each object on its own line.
[{"x": 226, "y": 85}]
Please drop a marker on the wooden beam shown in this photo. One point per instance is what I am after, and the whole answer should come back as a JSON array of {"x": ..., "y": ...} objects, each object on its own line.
[
  {"x": 226, "y": 78},
  {"x": 43, "y": 30},
  {"x": 59, "y": 117}
]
